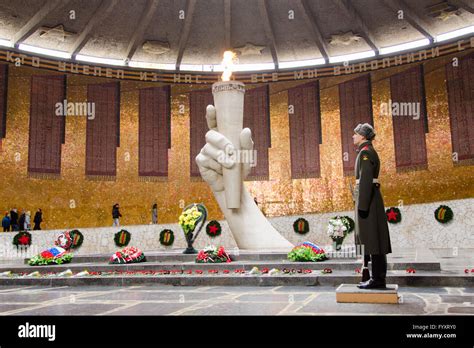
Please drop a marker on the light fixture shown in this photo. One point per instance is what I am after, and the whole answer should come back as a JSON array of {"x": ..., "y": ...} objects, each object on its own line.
[
  {"x": 353, "y": 56},
  {"x": 6, "y": 43},
  {"x": 405, "y": 46},
  {"x": 107, "y": 61},
  {"x": 455, "y": 33},
  {"x": 301, "y": 63},
  {"x": 146, "y": 65},
  {"x": 254, "y": 67},
  {"x": 44, "y": 51}
]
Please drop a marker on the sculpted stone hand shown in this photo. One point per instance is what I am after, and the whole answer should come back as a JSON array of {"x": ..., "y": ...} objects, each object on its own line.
[{"x": 250, "y": 228}]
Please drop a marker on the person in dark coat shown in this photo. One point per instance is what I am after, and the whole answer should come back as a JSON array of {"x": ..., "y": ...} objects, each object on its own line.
[
  {"x": 21, "y": 221},
  {"x": 116, "y": 214},
  {"x": 371, "y": 227},
  {"x": 38, "y": 219},
  {"x": 6, "y": 222},
  {"x": 14, "y": 219}
]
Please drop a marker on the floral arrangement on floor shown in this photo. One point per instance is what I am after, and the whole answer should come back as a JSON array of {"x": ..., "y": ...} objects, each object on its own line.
[
  {"x": 212, "y": 254},
  {"x": 53, "y": 256},
  {"x": 307, "y": 252},
  {"x": 338, "y": 228},
  {"x": 189, "y": 218},
  {"x": 127, "y": 255},
  {"x": 443, "y": 214},
  {"x": 22, "y": 239},
  {"x": 122, "y": 238}
]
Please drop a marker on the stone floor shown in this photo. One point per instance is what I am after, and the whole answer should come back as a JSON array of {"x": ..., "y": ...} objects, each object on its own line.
[{"x": 220, "y": 300}]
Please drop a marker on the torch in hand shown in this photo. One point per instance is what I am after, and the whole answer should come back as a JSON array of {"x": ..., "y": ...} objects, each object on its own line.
[{"x": 229, "y": 104}]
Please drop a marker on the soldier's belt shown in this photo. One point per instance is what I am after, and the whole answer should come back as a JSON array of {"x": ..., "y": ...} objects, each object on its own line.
[{"x": 374, "y": 181}]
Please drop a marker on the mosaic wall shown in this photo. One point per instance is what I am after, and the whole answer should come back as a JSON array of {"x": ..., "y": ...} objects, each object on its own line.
[{"x": 74, "y": 201}]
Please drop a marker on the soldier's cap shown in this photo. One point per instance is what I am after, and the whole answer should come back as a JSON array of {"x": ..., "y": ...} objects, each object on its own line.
[{"x": 366, "y": 130}]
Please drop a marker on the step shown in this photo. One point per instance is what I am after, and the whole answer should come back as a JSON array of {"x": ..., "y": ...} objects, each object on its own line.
[
  {"x": 346, "y": 265},
  {"x": 425, "y": 279}
]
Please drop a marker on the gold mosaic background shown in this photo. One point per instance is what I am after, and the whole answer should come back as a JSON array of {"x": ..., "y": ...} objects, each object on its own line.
[{"x": 73, "y": 201}]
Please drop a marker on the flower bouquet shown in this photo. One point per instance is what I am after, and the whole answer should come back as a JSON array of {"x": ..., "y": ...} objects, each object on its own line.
[
  {"x": 193, "y": 215},
  {"x": 54, "y": 256},
  {"x": 127, "y": 255},
  {"x": 212, "y": 254},
  {"x": 307, "y": 252},
  {"x": 338, "y": 228}
]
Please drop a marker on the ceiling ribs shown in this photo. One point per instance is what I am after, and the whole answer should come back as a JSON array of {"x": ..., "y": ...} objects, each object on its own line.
[
  {"x": 102, "y": 12},
  {"x": 188, "y": 19},
  {"x": 351, "y": 12},
  {"x": 462, "y": 4},
  {"x": 137, "y": 37},
  {"x": 411, "y": 17},
  {"x": 267, "y": 25},
  {"x": 312, "y": 24},
  {"x": 35, "y": 22}
]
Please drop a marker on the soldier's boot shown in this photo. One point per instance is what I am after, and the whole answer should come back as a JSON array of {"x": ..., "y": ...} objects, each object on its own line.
[
  {"x": 365, "y": 269},
  {"x": 379, "y": 271}
]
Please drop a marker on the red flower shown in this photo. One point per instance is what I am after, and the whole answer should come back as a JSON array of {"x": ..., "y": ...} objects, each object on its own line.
[
  {"x": 198, "y": 271},
  {"x": 357, "y": 270},
  {"x": 265, "y": 270},
  {"x": 307, "y": 271},
  {"x": 226, "y": 271},
  {"x": 466, "y": 271},
  {"x": 24, "y": 240},
  {"x": 189, "y": 271}
]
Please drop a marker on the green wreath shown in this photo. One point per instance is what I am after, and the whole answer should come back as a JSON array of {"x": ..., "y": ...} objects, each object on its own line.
[
  {"x": 213, "y": 229},
  {"x": 301, "y": 226},
  {"x": 166, "y": 237},
  {"x": 443, "y": 214},
  {"x": 77, "y": 238},
  {"x": 38, "y": 260},
  {"x": 22, "y": 239},
  {"x": 351, "y": 223},
  {"x": 394, "y": 216},
  {"x": 122, "y": 238}
]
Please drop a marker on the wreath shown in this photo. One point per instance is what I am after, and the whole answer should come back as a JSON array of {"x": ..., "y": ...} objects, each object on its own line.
[
  {"x": 22, "y": 239},
  {"x": 351, "y": 223},
  {"x": 43, "y": 260},
  {"x": 443, "y": 214},
  {"x": 213, "y": 228},
  {"x": 394, "y": 216},
  {"x": 77, "y": 238},
  {"x": 301, "y": 226},
  {"x": 166, "y": 237},
  {"x": 122, "y": 238}
]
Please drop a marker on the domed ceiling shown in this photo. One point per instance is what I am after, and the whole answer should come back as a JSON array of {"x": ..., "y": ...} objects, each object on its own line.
[{"x": 190, "y": 34}]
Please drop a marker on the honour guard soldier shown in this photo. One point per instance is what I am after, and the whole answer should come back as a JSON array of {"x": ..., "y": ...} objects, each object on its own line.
[{"x": 371, "y": 228}]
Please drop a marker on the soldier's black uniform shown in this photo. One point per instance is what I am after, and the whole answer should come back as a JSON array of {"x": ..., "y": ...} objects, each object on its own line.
[{"x": 371, "y": 228}]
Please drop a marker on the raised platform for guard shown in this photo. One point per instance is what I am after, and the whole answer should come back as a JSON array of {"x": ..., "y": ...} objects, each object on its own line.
[{"x": 350, "y": 293}]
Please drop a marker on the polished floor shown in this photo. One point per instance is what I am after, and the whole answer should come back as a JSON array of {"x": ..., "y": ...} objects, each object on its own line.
[{"x": 218, "y": 300}]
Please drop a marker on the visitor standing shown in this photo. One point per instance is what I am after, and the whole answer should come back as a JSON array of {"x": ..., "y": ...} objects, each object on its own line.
[
  {"x": 27, "y": 221},
  {"x": 21, "y": 220},
  {"x": 154, "y": 214},
  {"x": 6, "y": 222},
  {"x": 38, "y": 219},
  {"x": 14, "y": 219},
  {"x": 116, "y": 214}
]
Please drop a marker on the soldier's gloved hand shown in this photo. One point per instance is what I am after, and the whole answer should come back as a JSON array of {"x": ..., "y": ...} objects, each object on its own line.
[{"x": 363, "y": 214}]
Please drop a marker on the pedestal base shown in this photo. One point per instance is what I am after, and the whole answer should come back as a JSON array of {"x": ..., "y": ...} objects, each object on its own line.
[{"x": 350, "y": 293}]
